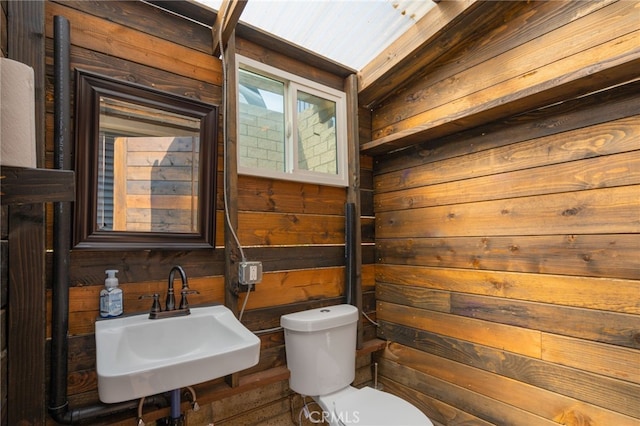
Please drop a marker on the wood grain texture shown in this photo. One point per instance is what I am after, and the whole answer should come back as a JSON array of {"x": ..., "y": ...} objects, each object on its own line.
[
  {"x": 597, "y": 211},
  {"x": 513, "y": 339},
  {"x": 615, "y": 395},
  {"x": 607, "y": 327},
  {"x": 530, "y": 398},
  {"x": 543, "y": 70},
  {"x": 607, "y": 360},
  {"x": 552, "y": 160},
  {"x": 567, "y": 116},
  {"x": 94, "y": 33},
  {"x": 533, "y": 60},
  {"x": 460, "y": 48},
  {"x": 593, "y": 293},
  {"x": 472, "y": 234},
  {"x": 606, "y": 256}
]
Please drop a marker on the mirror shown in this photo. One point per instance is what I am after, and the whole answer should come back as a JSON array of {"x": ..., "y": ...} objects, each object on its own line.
[{"x": 145, "y": 166}]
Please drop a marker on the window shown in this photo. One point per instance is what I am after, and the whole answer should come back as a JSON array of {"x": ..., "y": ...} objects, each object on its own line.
[{"x": 289, "y": 127}]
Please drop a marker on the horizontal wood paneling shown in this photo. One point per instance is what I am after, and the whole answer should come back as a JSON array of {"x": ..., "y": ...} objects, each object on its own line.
[
  {"x": 267, "y": 195},
  {"x": 440, "y": 413},
  {"x": 507, "y": 272},
  {"x": 499, "y": 173},
  {"x": 549, "y": 67},
  {"x": 605, "y": 294},
  {"x": 296, "y": 230},
  {"x": 608, "y": 327},
  {"x": 96, "y": 34},
  {"x": 153, "y": 21},
  {"x": 296, "y": 286},
  {"x": 459, "y": 47},
  {"x": 611, "y": 255},
  {"x": 490, "y": 410},
  {"x": 493, "y": 334},
  {"x": 599, "y": 211},
  {"x": 535, "y": 400},
  {"x": 611, "y": 105},
  {"x": 607, "y": 360},
  {"x": 290, "y": 229},
  {"x": 619, "y": 396},
  {"x": 532, "y": 61}
]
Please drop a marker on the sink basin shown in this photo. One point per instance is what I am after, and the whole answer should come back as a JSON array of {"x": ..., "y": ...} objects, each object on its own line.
[{"x": 137, "y": 356}]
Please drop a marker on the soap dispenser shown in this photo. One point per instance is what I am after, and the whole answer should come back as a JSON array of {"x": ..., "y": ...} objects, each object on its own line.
[{"x": 111, "y": 296}]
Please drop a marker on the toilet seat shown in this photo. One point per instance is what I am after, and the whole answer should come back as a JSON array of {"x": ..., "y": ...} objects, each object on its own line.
[{"x": 370, "y": 407}]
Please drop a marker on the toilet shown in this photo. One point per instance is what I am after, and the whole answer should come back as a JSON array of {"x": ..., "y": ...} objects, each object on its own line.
[{"x": 320, "y": 346}]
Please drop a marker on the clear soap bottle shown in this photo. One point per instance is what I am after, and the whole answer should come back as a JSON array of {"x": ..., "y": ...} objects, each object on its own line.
[{"x": 111, "y": 296}]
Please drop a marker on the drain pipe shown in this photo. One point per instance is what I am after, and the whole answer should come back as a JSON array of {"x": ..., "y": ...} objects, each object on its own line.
[
  {"x": 62, "y": 222},
  {"x": 58, "y": 404},
  {"x": 353, "y": 287},
  {"x": 349, "y": 254}
]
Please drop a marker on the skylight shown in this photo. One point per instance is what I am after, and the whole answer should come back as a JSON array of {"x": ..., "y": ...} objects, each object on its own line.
[{"x": 350, "y": 32}]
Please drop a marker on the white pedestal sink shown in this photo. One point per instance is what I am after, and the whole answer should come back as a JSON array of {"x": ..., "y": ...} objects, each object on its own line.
[{"x": 137, "y": 356}]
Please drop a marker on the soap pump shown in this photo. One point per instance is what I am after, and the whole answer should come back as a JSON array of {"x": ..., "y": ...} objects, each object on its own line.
[{"x": 111, "y": 296}]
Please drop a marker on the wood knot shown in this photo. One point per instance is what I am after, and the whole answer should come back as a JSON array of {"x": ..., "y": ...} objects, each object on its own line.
[{"x": 571, "y": 212}]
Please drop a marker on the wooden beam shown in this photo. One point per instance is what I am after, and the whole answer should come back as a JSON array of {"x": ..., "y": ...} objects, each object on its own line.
[
  {"x": 26, "y": 353},
  {"x": 226, "y": 21},
  {"x": 353, "y": 196},
  {"x": 20, "y": 185},
  {"x": 401, "y": 60},
  {"x": 26, "y": 316},
  {"x": 230, "y": 141}
]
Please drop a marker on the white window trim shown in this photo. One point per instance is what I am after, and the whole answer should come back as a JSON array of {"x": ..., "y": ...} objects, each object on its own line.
[{"x": 293, "y": 83}]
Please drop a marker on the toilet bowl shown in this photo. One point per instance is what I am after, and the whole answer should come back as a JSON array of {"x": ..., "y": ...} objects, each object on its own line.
[
  {"x": 320, "y": 347},
  {"x": 370, "y": 407}
]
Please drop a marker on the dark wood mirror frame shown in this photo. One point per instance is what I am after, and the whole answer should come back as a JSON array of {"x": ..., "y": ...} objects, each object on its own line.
[{"x": 90, "y": 88}]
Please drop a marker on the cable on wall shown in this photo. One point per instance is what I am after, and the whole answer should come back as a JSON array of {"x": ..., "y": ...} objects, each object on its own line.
[{"x": 225, "y": 138}]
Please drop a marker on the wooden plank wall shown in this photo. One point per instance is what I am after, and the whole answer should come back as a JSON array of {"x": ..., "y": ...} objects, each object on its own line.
[
  {"x": 530, "y": 54},
  {"x": 296, "y": 230},
  {"x": 508, "y": 274}
]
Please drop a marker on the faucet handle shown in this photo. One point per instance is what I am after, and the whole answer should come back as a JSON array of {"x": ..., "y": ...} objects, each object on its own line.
[
  {"x": 184, "y": 304},
  {"x": 155, "y": 307}
]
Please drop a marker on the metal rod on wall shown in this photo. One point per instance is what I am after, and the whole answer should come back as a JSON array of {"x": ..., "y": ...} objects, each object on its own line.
[
  {"x": 349, "y": 254},
  {"x": 61, "y": 218}
]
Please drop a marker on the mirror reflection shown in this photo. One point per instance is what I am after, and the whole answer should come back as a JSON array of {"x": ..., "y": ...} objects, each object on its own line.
[
  {"x": 147, "y": 169},
  {"x": 145, "y": 166}
]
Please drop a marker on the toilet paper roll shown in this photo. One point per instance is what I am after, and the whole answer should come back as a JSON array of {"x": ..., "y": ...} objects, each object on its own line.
[{"x": 17, "y": 114}]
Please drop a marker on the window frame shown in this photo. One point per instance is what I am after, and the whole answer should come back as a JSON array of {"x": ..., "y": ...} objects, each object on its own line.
[{"x": 292, "y": 85}]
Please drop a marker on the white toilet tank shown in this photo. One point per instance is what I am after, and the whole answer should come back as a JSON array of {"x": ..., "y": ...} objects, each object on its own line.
[{"x": 320, "y": 346}]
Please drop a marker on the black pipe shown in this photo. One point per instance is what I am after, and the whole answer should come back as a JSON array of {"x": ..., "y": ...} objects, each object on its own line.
[
  {"x": 350, "y": 254},
  {"x": 59, "y": 408},
  {"x": 62, "y": 221}
]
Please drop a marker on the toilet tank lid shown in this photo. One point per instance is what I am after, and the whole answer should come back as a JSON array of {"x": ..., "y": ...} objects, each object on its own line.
[{"x": 320, "y": 318}]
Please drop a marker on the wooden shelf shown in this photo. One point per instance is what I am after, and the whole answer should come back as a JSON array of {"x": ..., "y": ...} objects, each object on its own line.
[{"x": 22, "y": 185}]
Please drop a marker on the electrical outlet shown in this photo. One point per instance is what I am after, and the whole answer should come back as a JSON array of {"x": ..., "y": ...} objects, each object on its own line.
[{"x": 250, "y": 272}]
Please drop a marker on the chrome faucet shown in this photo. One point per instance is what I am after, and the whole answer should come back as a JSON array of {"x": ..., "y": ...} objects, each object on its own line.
[{"x": 170, "y": 304}]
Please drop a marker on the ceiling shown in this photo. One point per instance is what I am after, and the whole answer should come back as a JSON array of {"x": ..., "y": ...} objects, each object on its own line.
[{"x": 349, "y": 32}]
